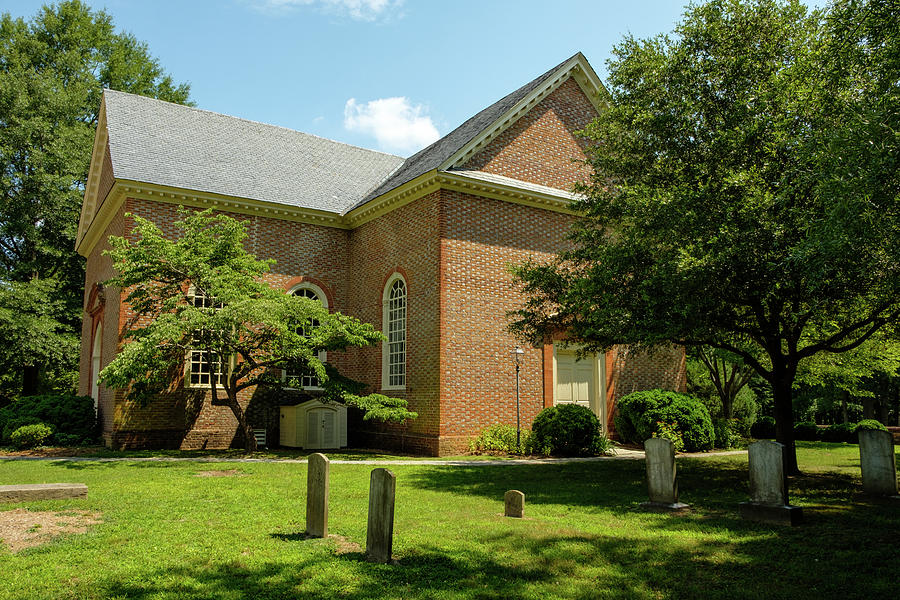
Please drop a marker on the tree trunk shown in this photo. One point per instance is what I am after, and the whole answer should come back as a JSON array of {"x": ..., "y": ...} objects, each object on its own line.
[
  {"x": 845, "y": 398},
  {"x": 728, "y": 406},
  {"x": 243, "y": 425},
  {"x": 782, "y": 390},
  {"x": 30, "y": 380}
]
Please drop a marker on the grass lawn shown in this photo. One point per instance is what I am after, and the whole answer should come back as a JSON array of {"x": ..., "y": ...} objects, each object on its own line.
[{"x": 169, "y": 533}]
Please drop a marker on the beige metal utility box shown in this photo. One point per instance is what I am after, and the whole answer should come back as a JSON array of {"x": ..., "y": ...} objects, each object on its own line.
[{"x": 313, "y": 426}]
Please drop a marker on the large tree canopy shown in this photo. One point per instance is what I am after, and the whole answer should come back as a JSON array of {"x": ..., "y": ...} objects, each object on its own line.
[
  {"x": 241, "y": 326},
  {"x": 53, "y": 69},
  {"x": 745, "y": 192}
]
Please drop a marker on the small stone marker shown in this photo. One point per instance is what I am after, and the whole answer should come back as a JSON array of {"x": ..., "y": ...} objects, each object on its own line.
[
  {"x": 877, "y": 462},
  {"x": 768, "y": 487},
  {"x": 380, "y": 530},
  {"x": 661, "y": 482},
  {"x": 514, "y": 504},
  {"x": 42, "y": 491},
  {"x": 317, "y": 495}
]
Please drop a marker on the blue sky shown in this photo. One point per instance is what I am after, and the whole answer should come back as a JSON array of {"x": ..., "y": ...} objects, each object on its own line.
[{"x": 384, "y": 74}]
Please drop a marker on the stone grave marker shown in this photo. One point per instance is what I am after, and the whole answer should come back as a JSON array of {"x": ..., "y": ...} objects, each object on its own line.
[
  {"x": 317, "y": 480},
  {"x": 42, "y": 491},
  {"x": 661, "y": 482},
  {"x": 877, "y": 463},
  {"x": 514, "y": 504},
  {"x": 380, "y": 529},
  {"x": 768, "y": 487}
]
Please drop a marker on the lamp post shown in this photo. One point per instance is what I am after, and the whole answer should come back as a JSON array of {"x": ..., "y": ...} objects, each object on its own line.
[{"x": 517, "y": 358}]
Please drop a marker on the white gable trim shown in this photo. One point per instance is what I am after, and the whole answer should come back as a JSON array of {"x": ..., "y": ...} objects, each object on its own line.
[
  {"x": 577, "y": 68},
  {"x": 90, "y": 204}
]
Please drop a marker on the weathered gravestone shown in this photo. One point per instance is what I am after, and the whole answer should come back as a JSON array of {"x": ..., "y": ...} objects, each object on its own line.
[
  {"x": 317, "y": 495},
  {"x": 877, "y": 462},
  {"x": 42, "y": 491},
  {"x": 514, "y": 504},
  {"x": 768, "y": 487},
  {"x": 380, "y": 530},
  {"x": 661, "y": 482}
]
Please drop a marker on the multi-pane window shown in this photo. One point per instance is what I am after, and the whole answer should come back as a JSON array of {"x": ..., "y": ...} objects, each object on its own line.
[
  {"x": 306, "y": 378},
  {"x": 199, "y": 361},
  {"x": 395, "y": 329}
]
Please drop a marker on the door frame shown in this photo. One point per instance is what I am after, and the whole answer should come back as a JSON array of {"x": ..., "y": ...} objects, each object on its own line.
[{"x": 598, "y": 402}]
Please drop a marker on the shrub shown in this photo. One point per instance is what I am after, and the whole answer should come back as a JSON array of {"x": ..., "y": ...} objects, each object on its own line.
[
  {"x": 840, "y": 432},
  {"x": 870, "y": 425},
  {"x": 667, "y": 431},
  {"x": 567, "y": 429},
  {"x": 806, "y": 431},
  {"x": 30, "y": 436},
  {"x": 728, "y": 432},
  {"x": 763, "y": 428},
  {"x": 72, "y": 417},
  {"x": 640, "y": 413},
  {"x": 499, "y": 438}
]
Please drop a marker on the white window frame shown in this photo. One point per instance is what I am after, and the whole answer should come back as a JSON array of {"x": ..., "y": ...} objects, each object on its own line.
[
  {"x": 385, "y": 324},
  {"x": 323, "y": 355},
  {"x": 189, "y": 359},
  {"x": 96, "y": 360}
]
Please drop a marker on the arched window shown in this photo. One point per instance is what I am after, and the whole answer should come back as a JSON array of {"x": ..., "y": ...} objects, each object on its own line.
[
  {"x": 393, "y": 353},
  {"x": 95, "y": 364},
  {"x": 305, "y": 379}
]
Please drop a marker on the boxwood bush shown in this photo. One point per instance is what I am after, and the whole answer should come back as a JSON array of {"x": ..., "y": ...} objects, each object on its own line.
[
  {"x": 499, "y": 438},
  {"x": 73, "y": 418},
  {"x": 870, "y": 424},
  {"x": 806, "y": 431},
  {"x": 763, "y": 428},
  {"x": 30, "y": 436},
  {"x": 641, "y": 414},
  {"x": 728, "y": 433},
  {"x": 568, "y": 430},
  {"x": 840, "y": 432}
]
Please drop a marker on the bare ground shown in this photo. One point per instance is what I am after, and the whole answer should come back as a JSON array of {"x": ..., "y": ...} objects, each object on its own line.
[{"x": 21, "y": 528}]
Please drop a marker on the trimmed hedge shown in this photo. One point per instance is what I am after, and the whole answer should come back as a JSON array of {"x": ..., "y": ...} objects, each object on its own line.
[
  {"x": 499, "y": 438},
  {"x": 870, "y": 425},
  {"x": 840, "y": 432},
  {"x": 640, "y": 415},
  {"x": 30, "y": 436},
  {"x": 806, "y": 431},
  {"x": 763, "y": 428},
  {"x": 73, "y": 418},
  {"x": 728, "y": 432},
  {"x": 568, "y": 430}
]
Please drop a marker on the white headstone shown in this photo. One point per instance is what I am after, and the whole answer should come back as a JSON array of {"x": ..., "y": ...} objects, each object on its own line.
[
  {"x": 661, "y": 483},
  {"x": 317, "y": 495},
  {"x": 878, "y": 463},
  {"x": 767, "y": 485}
]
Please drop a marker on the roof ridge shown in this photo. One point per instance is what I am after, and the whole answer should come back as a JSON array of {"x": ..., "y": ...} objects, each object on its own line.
[{"x": 227, "y": 116}]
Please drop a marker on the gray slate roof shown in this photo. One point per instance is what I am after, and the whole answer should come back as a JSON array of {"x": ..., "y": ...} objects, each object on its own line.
[
  {"x": 434, "y": 155},
  {"x": 157, "y": 142}
]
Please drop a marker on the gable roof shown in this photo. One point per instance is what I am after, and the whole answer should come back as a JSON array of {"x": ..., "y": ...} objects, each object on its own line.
[
  {"x": 161, "y": 143},
  {"x": 440, "y": 152}
]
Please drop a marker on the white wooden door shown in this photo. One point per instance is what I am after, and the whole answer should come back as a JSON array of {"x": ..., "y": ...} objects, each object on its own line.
[{"x": 575, "y": 379}]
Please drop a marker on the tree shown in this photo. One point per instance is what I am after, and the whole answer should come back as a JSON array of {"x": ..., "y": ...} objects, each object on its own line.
[
  {"x": 744, "y": 192},
  {"x": 727, "y": 374},
  {"x": 53, "y": 69},
  {"x": 203, "y": 293}
]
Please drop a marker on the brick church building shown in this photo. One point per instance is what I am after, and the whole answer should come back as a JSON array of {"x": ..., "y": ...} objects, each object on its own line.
[{"x": 418, "y": 246}]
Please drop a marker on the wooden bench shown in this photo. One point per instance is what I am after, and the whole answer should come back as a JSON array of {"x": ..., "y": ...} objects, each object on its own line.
[{"x": 42, "y": 491}]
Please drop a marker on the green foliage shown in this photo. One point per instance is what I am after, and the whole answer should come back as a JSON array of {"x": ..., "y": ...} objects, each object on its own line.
[
  {"x": 869, "y": 425},
  {"x": 744, "y": 192},
  {"x": 53, "y": 69},
  {"x": 567, "y": 430},
  {"x": 30, "y": 436},
  {"x": 500, "y": 438},
  {"x": 639, "y": 415},
  {"x": 267, "y": 330},
  {"x": 73, "y": 418},
  {"x": 807, "y": 431},
  {"x": 763, "y": 428},
  {"x": 669, "y": 431},
  {"x": 728, "y": 433},
  {"x": 840, "y": 432}
]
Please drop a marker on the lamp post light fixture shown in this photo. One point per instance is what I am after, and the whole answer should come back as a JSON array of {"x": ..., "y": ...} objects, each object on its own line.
[{"x": 518, "y": 354}]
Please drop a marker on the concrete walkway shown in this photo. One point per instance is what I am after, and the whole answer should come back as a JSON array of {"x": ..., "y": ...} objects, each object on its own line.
[{"x": 621, "y": 454}]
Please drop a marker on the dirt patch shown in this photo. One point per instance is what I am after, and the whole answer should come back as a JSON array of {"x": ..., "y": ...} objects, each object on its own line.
[
  {"x": 226, "y": 473},
  {"x": 344, "y": 546},
  {"x": 21, "y": 528},
  {"x": 54, "y": 452}
]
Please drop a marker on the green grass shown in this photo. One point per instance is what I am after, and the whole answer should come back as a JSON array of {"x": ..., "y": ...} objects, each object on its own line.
[{"x": 169, "y": 534}]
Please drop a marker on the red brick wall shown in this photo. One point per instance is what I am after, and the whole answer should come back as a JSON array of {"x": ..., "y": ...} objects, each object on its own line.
[
  {"x": 540, "y": 147},
  {"x": 481, "y": 237}
]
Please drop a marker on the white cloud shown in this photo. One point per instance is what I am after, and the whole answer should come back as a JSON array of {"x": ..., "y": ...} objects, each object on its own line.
[
  {"x": 360, "y": 10},
  {"x": 396, "y": 124}
]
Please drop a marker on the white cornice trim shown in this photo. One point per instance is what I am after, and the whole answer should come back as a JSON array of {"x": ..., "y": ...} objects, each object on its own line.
[
  {"x": 577, "y": 67},
  {"x": 90, "y": 203}
]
